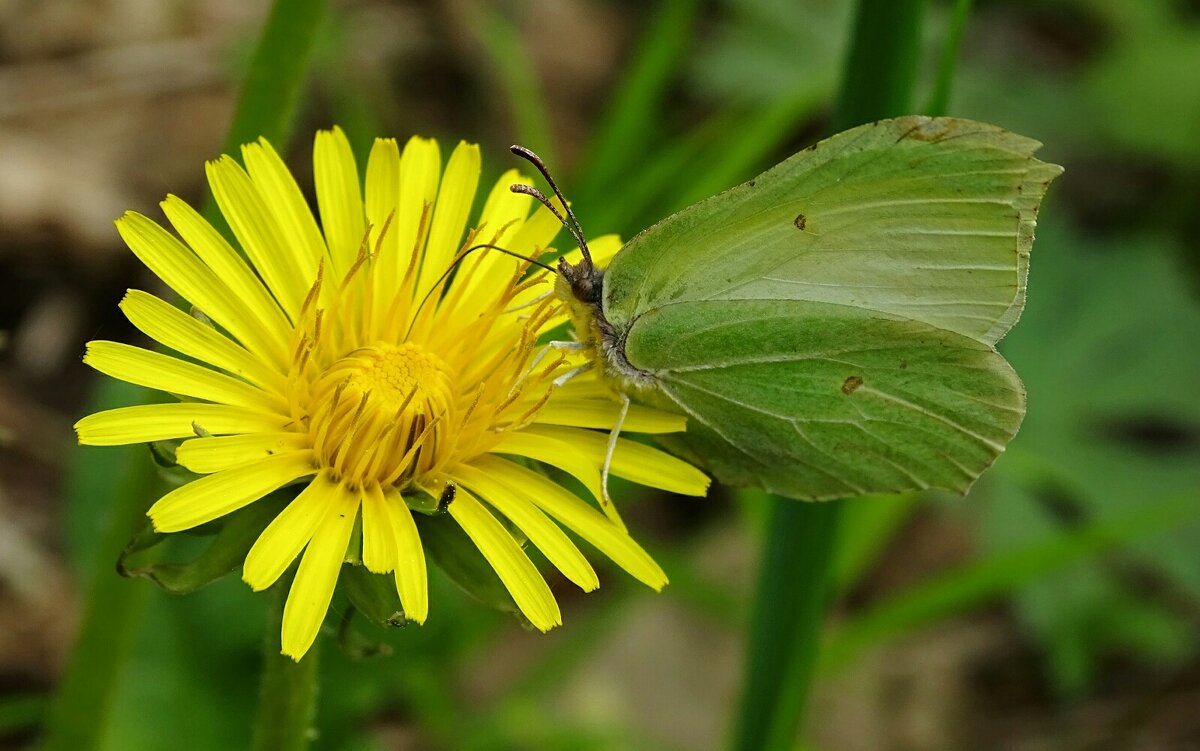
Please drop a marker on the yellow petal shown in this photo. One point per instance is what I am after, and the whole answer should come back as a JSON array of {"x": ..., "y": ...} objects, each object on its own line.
[
  {"x": 378, "y": 537},
  {"x": 577, "y": 516},
  {"x": 454, "y": 200},
  {"x": 255, "y": 318},
  {"x": 502, "y": 217},
  {"x": 312, "y": 589},
  {"x": 288, "y": 533},
  {"x": 542, "y": 532},
  {"x": 213, "y": 496},
  {"x": 181, "y": 332},
  {"x": 279, "y": 191},
  {"x": 165, "y": 373},
  {"x": 603, "y": 413},
  {"x": 420, "y": 171},
  {"x": 555, "y": 452},
  {"x": 218, "y": 453},
  {"x": 412, "y": 582},
  {"x": 514, "y": 568},
  {"x": 537, "y": 232},
  {"x": 159, "y": 422},
  {"x": 382, "y": 201},
  {"x": 339, "y": 199},
  {"x": 634, "y": 461},
  {"x": 289, "y": 272},
  {"x": 183, "y": 272}
]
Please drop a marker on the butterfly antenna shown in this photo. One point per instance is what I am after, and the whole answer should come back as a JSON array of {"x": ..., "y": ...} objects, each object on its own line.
[{"x": 573, "y": 226}]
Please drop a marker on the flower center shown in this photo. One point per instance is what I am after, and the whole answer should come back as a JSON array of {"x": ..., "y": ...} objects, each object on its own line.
[{"x": 377, "y": 410}]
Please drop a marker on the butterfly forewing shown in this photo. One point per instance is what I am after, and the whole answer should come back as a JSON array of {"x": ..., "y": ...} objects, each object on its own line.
[{"x": 929, "y": 219}]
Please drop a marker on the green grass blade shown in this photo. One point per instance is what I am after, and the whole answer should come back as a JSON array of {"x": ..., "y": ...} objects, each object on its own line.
[
  {"x": 749, "y": 145},
  {"x": 625, "y": 130},
  {"x": 76, "y": 720},
  {"x": 987, "y": 580},
  {"x": 785, "y": 626},
  {"x": 939, "y": 100},
  {"x": 519, "y": 81},
  {"x": 270, "y": 92},
  {"x": 870, "y": 525},
  {"x": 881, "y": 66},
  {"x": 21, "y": 713},
  {"x": 796, "y": 573}
]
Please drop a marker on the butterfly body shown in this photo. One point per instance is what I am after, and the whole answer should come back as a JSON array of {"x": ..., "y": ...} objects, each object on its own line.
[{"x": 829, "y": 326}]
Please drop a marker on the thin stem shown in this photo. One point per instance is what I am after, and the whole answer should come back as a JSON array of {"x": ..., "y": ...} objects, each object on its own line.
[{"x": 287, "y": 699}]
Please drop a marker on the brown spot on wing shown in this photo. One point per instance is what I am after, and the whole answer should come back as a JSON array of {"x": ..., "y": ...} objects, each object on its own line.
[
  {"x": 851, "y": 384},
  {"x": 930, "y": 129},
  {"x": 800, "y": 221}
]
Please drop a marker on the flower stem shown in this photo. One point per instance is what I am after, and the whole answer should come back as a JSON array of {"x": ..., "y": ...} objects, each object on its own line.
[
  {"x": 795, "y": 576},
  {"x": 287, "y": 700},
  {"x": 793, "y": 591}
]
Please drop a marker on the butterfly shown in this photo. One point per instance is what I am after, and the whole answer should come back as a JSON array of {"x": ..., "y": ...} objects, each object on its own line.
[{"x": 829, "y": 327}]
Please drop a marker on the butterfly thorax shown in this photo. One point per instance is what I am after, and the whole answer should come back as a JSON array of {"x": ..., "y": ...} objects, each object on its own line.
[{"x": 581, "y": 287}]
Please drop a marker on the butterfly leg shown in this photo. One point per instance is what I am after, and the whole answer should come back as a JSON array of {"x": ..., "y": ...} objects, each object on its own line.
[
  {"x": 562, "y": 379},
  {"x": 541, "y": 355},
  {"x": 606, "y": 502}
]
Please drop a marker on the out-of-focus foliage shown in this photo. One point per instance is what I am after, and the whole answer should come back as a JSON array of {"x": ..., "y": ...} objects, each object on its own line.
[
  {"x": 709, "y": 95},
  {"x": 1107, "y": 353}
]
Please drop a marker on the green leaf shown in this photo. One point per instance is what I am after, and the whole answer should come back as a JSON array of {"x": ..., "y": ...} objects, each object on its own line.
[{"x": 223, "y": 554}]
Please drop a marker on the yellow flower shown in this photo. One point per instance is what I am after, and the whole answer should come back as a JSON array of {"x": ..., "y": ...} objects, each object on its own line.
[{"x": 339, "y": 357}]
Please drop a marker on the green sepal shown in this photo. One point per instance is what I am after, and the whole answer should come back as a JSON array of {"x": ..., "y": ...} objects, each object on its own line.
[
  {"x": 374, "y": 608},
  {"x": 454, "y": 553},
  {"x": 373, "y": 595},
  {"x": 155, "y": 555},
  {"x": 163, "y": 453}
]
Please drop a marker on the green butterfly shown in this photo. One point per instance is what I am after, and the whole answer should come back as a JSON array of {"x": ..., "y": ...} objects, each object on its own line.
[{"x": 829, "y": 327}]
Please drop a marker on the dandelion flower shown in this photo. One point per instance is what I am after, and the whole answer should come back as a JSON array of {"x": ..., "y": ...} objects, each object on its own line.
[{"x": 339, "y": 358}]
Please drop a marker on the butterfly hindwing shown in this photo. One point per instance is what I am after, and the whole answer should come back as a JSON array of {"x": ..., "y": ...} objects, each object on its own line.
[{"x": 816, "y": 400}]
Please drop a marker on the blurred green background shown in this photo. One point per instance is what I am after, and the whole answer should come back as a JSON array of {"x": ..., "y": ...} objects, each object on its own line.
[{"x": 1055, "y": 607}]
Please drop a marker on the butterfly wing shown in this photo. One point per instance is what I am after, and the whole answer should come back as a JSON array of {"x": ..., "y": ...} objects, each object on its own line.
[
  {"x": 829, "y": 326},
  {"x": 816, "y": 400},
  {"x": 927, "y": 218}
]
